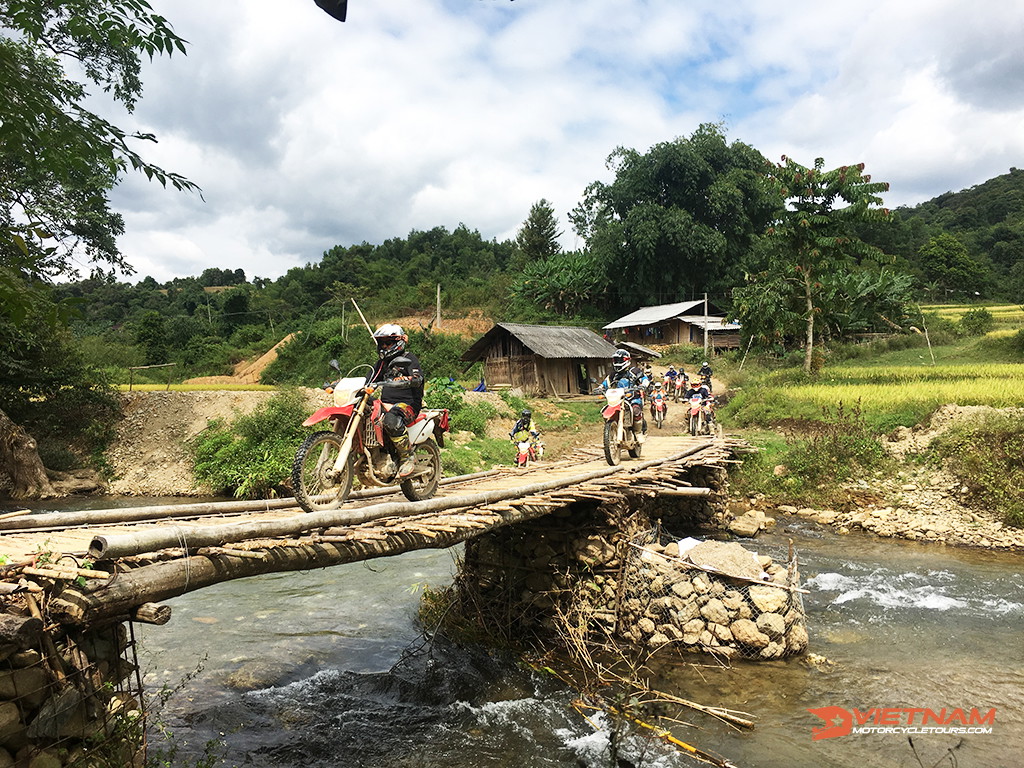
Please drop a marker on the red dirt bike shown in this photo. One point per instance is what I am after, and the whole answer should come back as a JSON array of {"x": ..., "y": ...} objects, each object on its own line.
[
  {"x": 528, "y": 448},
  {"x": 658, "y": 410},
  {"x": 326, "y": 462},
  {"x": 700, "y": 415},
  {"x": 677, "y": 389},
  {"x": 620, "y": 426}
]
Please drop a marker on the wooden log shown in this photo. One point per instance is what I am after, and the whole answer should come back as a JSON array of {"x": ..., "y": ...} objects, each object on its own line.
[
  {"x": 165, "y": 579},
  {"x": 684, "y": 492},
  {"x": 65, "y": 573},
  {"x": 152, "y": 613},
  {"x": 135, "y": 542},
  {"x": 60, "y": 520}
]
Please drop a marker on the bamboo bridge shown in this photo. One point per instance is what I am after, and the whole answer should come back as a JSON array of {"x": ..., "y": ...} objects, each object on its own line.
[
  {"x": 102, "y": 565},
  {"x": 74, "y": 584}
]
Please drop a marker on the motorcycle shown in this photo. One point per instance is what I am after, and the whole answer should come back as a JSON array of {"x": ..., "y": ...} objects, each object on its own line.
[
  {"x": 658, "y": 411},
  {"x": 695, "y": 413},
  {"x": 619, "y": 426},
  {"x": 327, "y": 462},
  {"x": 678, "y": 388},
  {"x": 528, "y": 447},
  {"x": 701, "y": 415}
]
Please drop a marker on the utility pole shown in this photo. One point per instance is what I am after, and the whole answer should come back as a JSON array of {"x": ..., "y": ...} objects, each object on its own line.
[
  {"x": 705, "y": 325},
  {"x": 439, "y": 306}
]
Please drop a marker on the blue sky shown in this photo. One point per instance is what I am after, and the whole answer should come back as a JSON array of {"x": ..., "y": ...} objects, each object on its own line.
[{"x": 306, "y": 133}]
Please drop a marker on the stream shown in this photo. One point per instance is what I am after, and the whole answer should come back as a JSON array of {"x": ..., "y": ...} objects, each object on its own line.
[{"x": 328, "y": 668}]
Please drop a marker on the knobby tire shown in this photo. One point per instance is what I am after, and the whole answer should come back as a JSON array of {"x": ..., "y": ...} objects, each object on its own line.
[{"x": 315, "y": 490}]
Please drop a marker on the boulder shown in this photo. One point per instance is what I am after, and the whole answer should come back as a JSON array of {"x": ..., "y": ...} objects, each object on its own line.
[
  {"x": 768, "y": 599},
  {"x": 772, "y": 624},
  {"x": 746, "y": 633}
]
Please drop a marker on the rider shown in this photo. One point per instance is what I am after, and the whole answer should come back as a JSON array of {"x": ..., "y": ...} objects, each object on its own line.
[
  {"x": 658, "y": 396},
  {"x": 401, "y": 392},
  {"x": 705, "y": 373},
  {"x": 631, "y": 377},
  {"x": 698, "y": 388},
  {"x": 525, "y": 424}
]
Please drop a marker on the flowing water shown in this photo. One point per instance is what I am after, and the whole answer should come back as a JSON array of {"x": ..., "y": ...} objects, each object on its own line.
[{"x": 328, "y": 668}]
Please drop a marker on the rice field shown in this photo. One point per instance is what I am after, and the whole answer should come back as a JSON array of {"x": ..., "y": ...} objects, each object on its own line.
[
  {"x": 196, "y": 387},
  {"x": 1006, "y": 316},
  {"x": 881, "y": 388}
]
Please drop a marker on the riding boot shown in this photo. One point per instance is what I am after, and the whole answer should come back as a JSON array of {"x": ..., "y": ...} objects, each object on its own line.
[{"x": 404, "y": 449}]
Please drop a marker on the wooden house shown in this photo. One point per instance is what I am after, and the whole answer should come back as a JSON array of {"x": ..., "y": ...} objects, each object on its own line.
[
  {"x": 680, "y": 323},
  {"x": 542, "y": 359}
]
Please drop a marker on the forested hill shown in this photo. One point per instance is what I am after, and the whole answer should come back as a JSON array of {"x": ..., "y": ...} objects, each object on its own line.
[{"x": 987, "y": 220}]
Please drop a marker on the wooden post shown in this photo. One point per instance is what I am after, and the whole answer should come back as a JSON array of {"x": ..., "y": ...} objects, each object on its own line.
[{"x": 705, "y": 325}]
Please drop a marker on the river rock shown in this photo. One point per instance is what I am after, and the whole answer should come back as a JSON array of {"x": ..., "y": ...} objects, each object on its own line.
[
  {"x": 748, "y": 525},
  {"x": 746, "y": 633},
  {"x": 715, "y": 611},
  {"x": 646, "y": 626},
  {"x": 796, "y": 639},
  {"x": 772, "y": 624},
  {"x": 682, "y": 588},
  {"x": 768, "y": 599}
]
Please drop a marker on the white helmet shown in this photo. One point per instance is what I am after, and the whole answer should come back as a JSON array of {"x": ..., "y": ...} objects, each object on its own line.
[{"x": 391, "y": 341}]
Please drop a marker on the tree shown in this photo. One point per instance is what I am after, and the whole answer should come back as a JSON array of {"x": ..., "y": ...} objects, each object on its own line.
[
  {"x": 537, "y": 239},
  {"x": 58, "y": 159},
  {"x": 945, "y": 260},
  {"x": 813, "y": 236},
  {"x": 679, "y": 219}
]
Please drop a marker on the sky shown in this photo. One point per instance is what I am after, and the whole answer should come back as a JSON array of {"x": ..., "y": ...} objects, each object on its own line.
[{"x": 305, "y": 133}]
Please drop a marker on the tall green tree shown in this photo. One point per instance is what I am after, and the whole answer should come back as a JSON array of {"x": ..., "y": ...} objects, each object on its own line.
[
  {"x": 537, "y": 239},
  {"x": 813, "y": 236},
  {"x": 58, "y": 159},
  {"x": 946, "y": 261},
  {"x": 678, "y": 220}
]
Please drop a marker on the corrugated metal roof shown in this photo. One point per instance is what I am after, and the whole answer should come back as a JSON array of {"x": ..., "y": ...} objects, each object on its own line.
[
  {"x": 553, "y": 342},
  {"x": 658, "y": 314},
  {"x": 713, "y": 323},
  {"x": 632, "y": 345}
]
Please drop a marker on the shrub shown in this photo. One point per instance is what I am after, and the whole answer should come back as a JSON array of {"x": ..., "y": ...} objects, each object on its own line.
[
  {"x": 251, "y": 457},
  {"x": 813, "y": 464},
  {"x": 976, "y": 322},
  {"x": 986, "y": 457}
]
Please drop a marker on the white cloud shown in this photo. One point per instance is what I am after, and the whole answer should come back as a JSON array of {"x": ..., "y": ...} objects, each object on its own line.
[{"x": 306, "y": 133}]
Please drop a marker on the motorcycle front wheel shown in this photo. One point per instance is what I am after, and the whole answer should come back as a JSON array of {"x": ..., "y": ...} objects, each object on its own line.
[
  {"x": 317, "y": 487},
  {"x": 612, "y": 449},
  {"x": 694, "y": 422},
  {"x": 423, "y": 484}
]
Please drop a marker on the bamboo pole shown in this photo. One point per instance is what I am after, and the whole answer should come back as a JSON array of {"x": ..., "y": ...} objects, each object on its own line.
[
  {"x": 192, "y": 537},
  {"x": 61, "y": 520}
]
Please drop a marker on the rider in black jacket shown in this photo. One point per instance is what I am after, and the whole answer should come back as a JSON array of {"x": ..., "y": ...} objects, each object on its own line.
[{"x": 401, "y": 392}]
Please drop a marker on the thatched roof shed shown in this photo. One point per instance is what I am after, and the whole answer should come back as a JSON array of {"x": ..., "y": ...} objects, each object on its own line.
[{"x": 542, "y": 359}]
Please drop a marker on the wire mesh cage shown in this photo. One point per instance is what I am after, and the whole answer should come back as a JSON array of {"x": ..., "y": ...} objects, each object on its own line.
[{"x": 713, "y": 597}]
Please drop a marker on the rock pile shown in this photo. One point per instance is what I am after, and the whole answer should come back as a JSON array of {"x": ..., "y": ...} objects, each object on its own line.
[
  {"x": 70, "y": 708},
  {"x": 669, "y": 599}
]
